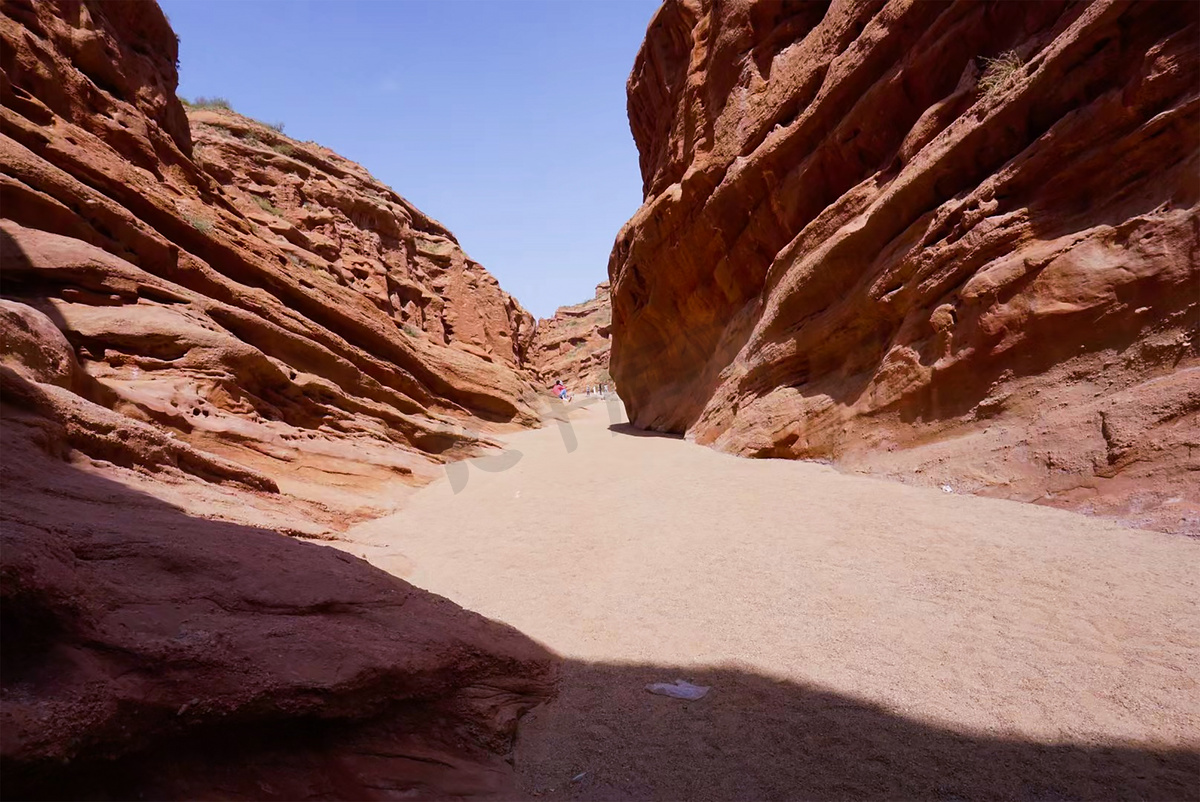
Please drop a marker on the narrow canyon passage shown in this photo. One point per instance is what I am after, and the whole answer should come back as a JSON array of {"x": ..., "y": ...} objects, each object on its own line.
[{"x": 861, "y": 637}]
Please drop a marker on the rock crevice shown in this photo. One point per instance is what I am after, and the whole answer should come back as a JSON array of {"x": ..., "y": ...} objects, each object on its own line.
[{"x": 573, "y": 346}]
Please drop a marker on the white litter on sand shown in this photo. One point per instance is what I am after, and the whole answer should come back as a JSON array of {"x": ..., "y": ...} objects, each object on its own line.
[{"x": 679, "y": 689}]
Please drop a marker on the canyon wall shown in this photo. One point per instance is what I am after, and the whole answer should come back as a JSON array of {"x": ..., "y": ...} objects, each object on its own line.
[
  {"x": 214, "y": 337},
  {"x": 261, "y": 300},
  {"x": 338, "y": 224},
  {"x": 954, "y": 243},
  {"x": 573, "y": 346}
]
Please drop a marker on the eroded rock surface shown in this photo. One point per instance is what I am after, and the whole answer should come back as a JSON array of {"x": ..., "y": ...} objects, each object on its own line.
[
  {"x": 267, "y": 301},
  {"x": 954, "y": 243},
  {"x": 187, "y": 374},
  {"x": 338, "y": 224},
  {"x": 574, "y": 344}
]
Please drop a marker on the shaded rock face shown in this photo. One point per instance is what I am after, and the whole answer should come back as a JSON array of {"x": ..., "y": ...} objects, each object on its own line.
[
  {"x": 573, "y": 346},
  {"x": 184, "y": 376},
  {"x": 259, "y": 299},
  {"x": 954, "y": 243},
  {"x": 149, "y": 653}
]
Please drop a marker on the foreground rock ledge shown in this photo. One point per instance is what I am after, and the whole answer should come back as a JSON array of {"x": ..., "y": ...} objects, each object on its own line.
[
  {"x": 953, "y": 243},
  {"x": 176, "y": 657}
]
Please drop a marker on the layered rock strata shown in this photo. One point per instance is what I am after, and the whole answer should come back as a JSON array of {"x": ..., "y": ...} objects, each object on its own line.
[
  {"x": 951, "y": 242},
  {"x": 259, "y": 299},
  {"x": 573, "y": 346},
  {"x": 203, "y": 352}
]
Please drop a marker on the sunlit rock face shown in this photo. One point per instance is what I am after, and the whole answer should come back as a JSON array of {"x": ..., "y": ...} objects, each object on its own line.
[
  {"x": 263, "y": 300},
  {"x": 954, "y": 243},
  {"x": 341, "y": 225},
  {"x": 573, "y": 346}
]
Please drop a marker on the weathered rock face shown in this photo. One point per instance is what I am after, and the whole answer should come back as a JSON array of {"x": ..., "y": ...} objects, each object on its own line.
[
  {"x": 953, "y": 242},
  {"x": 339, "y": 224},
  {"x": 184, "y": 371},
  {"x": 334, "y": 339},
  {"x": 574, "y": 344}
]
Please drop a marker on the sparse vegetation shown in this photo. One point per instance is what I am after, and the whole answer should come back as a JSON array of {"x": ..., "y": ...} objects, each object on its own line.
[
  {"x": 250, "y": 136},
  {"x": 411, "y": 331},
  {"x": 199, "y": 223},
  {"x": 998, "y": 71},
  {"x": 208, "y": 103},
  {"x": 283, "y": 148},
  {"x": 267, "y": 206},
  {"x": 307, "y": 265}
]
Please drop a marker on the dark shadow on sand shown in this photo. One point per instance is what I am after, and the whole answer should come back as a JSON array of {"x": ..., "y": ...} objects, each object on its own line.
[
  {"x": 759, "y": 738},
  {"x": 633, "y": 431}
]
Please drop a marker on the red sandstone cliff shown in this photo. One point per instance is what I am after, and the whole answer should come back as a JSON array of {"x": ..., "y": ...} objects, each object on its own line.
[
  {"x": 338, "y": 224},
  {"x": 953, "y": 242},
  {"x": 331, "y": 338},
  {"x": 574, "y": 344},
  {"x": 184, "y": 371}
]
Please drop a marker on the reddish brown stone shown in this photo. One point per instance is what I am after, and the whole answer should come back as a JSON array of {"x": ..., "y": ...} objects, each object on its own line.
[
  {"x": 339, "y": 224},
  {"x": 863, "y": 242},
  {"x": 573, "y": 345},
  {"x": 263, "y": 300},
  {"x": 150, "y": 653},
  {"x": 188, "y": 378}
]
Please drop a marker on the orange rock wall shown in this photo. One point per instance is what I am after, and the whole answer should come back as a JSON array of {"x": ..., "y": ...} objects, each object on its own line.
[
  {"x": 339, "y": 224},
  {"x": 262, "y": 301},
  {"x": 186, "y": 379}
]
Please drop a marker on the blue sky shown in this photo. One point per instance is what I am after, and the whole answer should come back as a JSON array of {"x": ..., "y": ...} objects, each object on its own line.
[{"x": 506, "y": 121}]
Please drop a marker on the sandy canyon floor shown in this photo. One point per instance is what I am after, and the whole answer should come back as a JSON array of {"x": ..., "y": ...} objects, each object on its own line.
[{"x": 862, "y": 638}]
